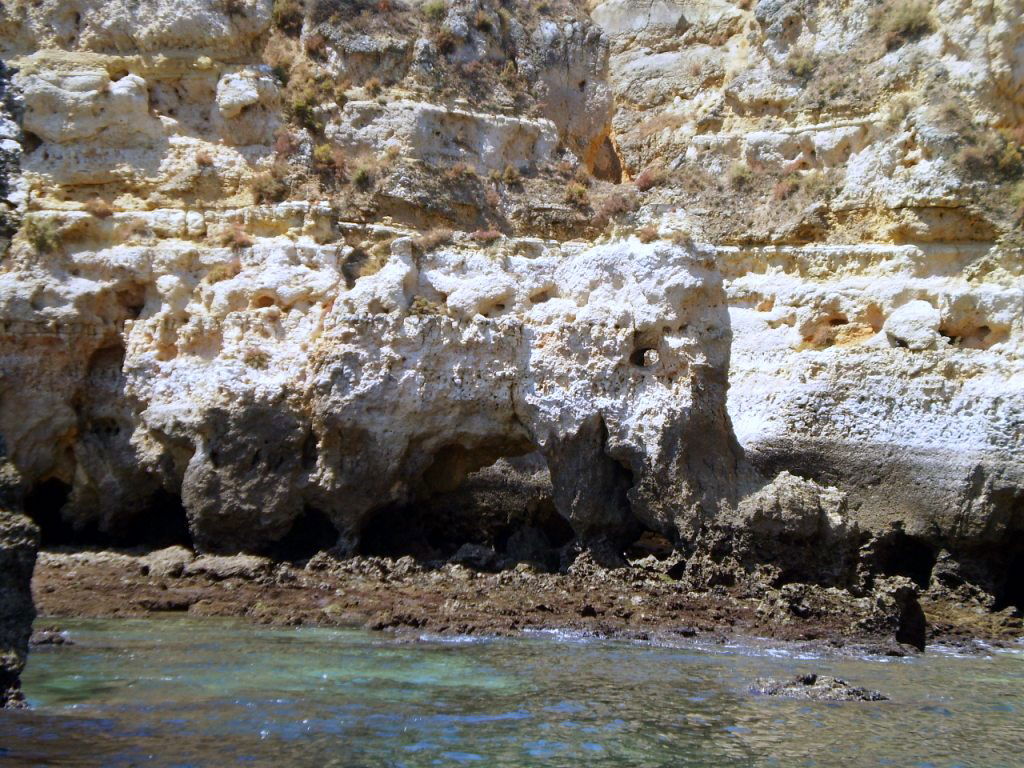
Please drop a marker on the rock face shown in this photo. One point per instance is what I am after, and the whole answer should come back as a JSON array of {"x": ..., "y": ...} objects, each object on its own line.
[
  {"x": 19, "y": 539},
  {"x": 859, "y": 169},
  {"x": 744, "y": 278}
]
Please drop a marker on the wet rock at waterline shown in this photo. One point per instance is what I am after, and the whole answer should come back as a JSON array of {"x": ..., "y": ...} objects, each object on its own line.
[
  {"x": 815, "y": 688},
  {"x": 19, "y": 539}
]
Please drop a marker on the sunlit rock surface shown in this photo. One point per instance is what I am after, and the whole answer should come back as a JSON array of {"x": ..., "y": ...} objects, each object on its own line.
[{"x": 743, "y": 276}]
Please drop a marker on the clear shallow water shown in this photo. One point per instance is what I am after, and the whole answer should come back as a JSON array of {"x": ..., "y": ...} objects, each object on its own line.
[{"x": 188, "y": 692}]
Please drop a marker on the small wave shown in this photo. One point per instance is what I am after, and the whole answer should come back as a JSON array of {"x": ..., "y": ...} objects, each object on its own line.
[
  {"x": 564, "y": 635},
  {"x": 455, "y": 639}
]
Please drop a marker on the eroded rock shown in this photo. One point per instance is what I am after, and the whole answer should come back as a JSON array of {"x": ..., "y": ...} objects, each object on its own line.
[
  {"x": 19, "y": 539},
  {"x": 815, "y": 688}
]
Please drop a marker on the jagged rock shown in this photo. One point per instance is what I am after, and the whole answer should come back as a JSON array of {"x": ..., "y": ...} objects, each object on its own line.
[
  {"x": 432, "y": 133},
  {"x": 815, "y": 688},
  {"x": 50, "y": 637},
  {"x": 475, "y": 556},
  {"x": 896, "y": 610},
  {"x": 19, "y": 539},
  {"x": 170, "y": 562},
  {"x": 221, "y": 567}
]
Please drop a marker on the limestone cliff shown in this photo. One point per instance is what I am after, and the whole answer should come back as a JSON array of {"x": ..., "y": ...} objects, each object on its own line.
[{"x": 336, "y": 266}]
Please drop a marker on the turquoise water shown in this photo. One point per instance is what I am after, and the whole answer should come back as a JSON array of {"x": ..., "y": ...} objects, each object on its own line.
[{"x": 202, "y": 692}]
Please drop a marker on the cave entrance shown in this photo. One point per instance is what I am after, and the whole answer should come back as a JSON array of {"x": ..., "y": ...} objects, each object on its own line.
[
  {"x": 898, "y": 554},
  {"x": 1011, "y": 591},
  {"x": 489, "y": 516},
  {"x": 1008, "y": 564},
  {"x": 160, "y": 523},
  {"x": 311, "y": 532},
  {"x": 43, "y": 504}
]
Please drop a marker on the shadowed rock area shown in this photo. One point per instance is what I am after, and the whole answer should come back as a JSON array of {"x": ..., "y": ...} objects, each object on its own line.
[{"x": 19, "y": 539}]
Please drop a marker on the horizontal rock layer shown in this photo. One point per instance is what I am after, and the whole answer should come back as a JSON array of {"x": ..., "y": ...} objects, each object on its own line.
[{"x": 742, "y": 280}]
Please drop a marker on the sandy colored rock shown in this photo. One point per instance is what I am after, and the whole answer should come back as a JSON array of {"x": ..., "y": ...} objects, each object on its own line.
[{"x": 743, "y": 280}]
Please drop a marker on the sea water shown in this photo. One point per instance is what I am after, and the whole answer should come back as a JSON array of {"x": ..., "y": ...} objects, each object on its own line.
[{"x": 211, "y": 692}]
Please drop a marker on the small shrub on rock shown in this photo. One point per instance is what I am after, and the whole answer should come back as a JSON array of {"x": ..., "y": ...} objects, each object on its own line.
[
  {"x": 435, "y": 10},
  {"x": 800, "y": 64},
  {"x": 992, "y": 152},
  {"x": 220, "y": 272},
  {"x": 460, "y": 172},
  {"x": 285, "y": 144},
  {"x": 682, "y": 238},
  {"x": 270, "y": 185},
  {"x": 650, "y": 177},
  {"x": 421, "y": 305},
  {"x": 42, "y": 234},
  {"x": 362, "y": 177},
  {"x": 648, "y": 234},
  {"x": 256, "y": 358},
  {"x": 1016, "y": 197},
  {"x": 287, "y": 15},
  {"x": 576, "y": 194},
  {"x": 445, "y": 41},
  {"x": 328, "y": 158},
  {"x": 785, "y": 188},
  {"x": 486, "y": 235},
  {"x": 904, "y": 20},
  {"x": 236, "y": 237},
  {"x": 739, "y": 175},
  {"x": 612, "y": 205},
  {"x": 316, "y": 45}
]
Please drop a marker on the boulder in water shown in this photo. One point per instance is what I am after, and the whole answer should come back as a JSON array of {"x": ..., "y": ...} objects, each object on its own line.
[{"x": 815, "y": 688}]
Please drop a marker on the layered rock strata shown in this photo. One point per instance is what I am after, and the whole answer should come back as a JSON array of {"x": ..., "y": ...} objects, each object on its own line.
[{"x": 412, "y": 277}]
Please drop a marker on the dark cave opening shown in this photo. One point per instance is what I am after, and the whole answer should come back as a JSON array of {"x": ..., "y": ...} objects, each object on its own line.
[
  {"x": 898, "y": 554},
  {"x": 1011, "y": 591},
  {"x": 311, "y": 532},
  {"x": 505, "y": 510},
  {"x": 607, "y": 166},
  {"x": 43, "y": 504},
  {"x": 160, "y": 523},
  {"x": 1007, "y": 564}
]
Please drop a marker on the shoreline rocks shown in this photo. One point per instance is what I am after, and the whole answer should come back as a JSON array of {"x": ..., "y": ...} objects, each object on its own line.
[
  {"x": 19, "y": 539},
  {"x": 813, "y": 687}
]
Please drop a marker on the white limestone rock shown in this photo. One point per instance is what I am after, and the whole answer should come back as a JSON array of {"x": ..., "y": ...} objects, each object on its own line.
[{"x": 915, "y": 326}]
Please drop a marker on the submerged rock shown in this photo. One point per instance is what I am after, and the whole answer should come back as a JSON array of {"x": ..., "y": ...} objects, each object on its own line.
[
  {"x": 815, "y": 688},
  {"x": 50, "y": 637}
]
